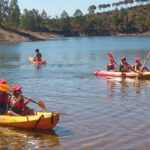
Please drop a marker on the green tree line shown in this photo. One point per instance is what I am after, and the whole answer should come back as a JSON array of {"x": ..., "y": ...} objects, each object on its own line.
[{"x": 121, "y": 19}]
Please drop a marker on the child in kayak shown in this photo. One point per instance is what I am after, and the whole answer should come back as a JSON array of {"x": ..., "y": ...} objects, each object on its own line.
[
  {"x": 138, "y": 66},
  {"x": 38, "y": 56},
  {"x": 4, "y": 99},
  {"x": 18, "y": 103},
  {"x": 124, "y": 66},
  {"x": 111, "y": 65}
]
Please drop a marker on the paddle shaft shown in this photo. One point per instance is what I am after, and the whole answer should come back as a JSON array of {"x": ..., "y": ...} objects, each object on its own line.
[
  {"x": 144, "y": 62},
  {"x": 111, "y": 56},
  {"x": 116, "y": 63},
  {"x": 24, "y": 98},
  {"x": 6, "y": 88},
  {"x": 30, "y": 99},
  {"x": 139, "y": 73},
  {"x": 38, "y": 103}
]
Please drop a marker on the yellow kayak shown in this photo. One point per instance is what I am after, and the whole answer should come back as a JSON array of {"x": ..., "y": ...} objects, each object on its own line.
[{"x": 41, "y": 120}]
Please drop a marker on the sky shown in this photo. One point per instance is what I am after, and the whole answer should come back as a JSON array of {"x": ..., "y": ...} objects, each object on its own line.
[{"x": 55, "y": 7}]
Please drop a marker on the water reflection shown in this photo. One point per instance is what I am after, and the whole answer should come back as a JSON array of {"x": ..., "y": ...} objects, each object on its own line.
[
  {"x": 23, "y": 139},
  {"x": 62, "y": 132},
  {"x": 66, "y": 84},
  {"x": 111, "y": 85},
  {"x": 124, "y": 86},
  {"x": 114, "y": 83},
  {"x": 9, "y": 52},
  {"x": 38, "y": 66}
]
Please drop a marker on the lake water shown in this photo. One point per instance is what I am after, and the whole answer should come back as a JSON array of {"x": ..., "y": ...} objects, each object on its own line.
[{"x": 96, "y": 113}]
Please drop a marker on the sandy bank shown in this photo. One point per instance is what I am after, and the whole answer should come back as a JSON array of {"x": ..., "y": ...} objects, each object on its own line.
[{"x": 19, "y": 35}]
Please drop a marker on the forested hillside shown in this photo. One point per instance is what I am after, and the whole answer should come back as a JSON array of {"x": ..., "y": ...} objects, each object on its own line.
[{"x": 124, "y": 17}]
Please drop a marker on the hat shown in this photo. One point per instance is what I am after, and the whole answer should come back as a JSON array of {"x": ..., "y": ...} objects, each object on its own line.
[
  {"x": 137, "y": 59},
  {"x": 123, "y": 58},
  {"x": 111, "y": 59},
  {"x": 16, "y": 88},
  {"x": 2, "y": 81}
]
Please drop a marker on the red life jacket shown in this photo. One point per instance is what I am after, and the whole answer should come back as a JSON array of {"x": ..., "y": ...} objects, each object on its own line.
[
  {"x": 38, "y": 57},
  {"x": 20, "y": 105},
  {"x": 124, "y": 67},
  {"x": 3, "y": 101},
  {"x": 137, "y": 66},
  {"x": 110, "y": 66}
]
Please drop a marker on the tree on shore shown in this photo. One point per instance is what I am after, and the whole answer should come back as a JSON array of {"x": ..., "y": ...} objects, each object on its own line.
[
  {"x": 77, "y": 13},
  {"x": 78, "y": 17},
  {"x": 3, "y": 11},
  {"x": 92, "y": 9},
  {"x": 65, "y": 22},
  {"x": 115, "y": 19},
  {"x": 14, "y": 13},
  {"x": 31, "y": 20}
]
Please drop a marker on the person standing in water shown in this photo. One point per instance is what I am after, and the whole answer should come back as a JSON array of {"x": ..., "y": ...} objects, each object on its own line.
[{"x": 38, "y": 56}]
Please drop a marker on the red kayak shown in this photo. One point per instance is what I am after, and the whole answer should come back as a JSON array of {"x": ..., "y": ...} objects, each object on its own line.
[
  {"x": 39, "y": 62},
  {"x": 36, "y": 62},
  {"x": 142, "y": 75}
]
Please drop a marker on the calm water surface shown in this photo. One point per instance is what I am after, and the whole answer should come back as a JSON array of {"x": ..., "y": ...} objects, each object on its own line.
[{"x": 95, "y": 113}]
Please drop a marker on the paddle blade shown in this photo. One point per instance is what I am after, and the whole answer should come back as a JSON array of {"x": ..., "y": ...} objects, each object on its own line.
[
  {"x": 31, "y": 58},
  {"x": 41, "y": 104},
  {"x": 4, "y": 87},
  {"x": 110, "y": 56}
]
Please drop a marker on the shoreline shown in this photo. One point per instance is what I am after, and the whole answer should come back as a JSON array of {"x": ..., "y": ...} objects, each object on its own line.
[
  {"x": 19, "y": 35},
  {"x": 12, "y": 35}
]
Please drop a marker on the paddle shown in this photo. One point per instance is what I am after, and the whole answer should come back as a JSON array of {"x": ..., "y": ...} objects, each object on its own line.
[
  {"x": 6, "y": 88},
  {"x": 31, "y": 59},
  {"x": 111, "y": 57},
  {"x": 139, "y": 73},
  {"x": 40, "y": 103},
  {"x": 145, "y": 61}
]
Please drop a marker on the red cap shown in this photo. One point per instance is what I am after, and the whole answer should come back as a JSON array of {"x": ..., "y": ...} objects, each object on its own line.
[
  {"x": 111, "y": 59},
  {"x": 16, "y": 88},
  {"x": 137, "y": 59},
  {"x": 122, "y": 58},
  {"x": 2, "y": 81}
]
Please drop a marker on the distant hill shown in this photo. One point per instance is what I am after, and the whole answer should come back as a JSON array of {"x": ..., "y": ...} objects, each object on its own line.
[{"x": 131, "y": 21}]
